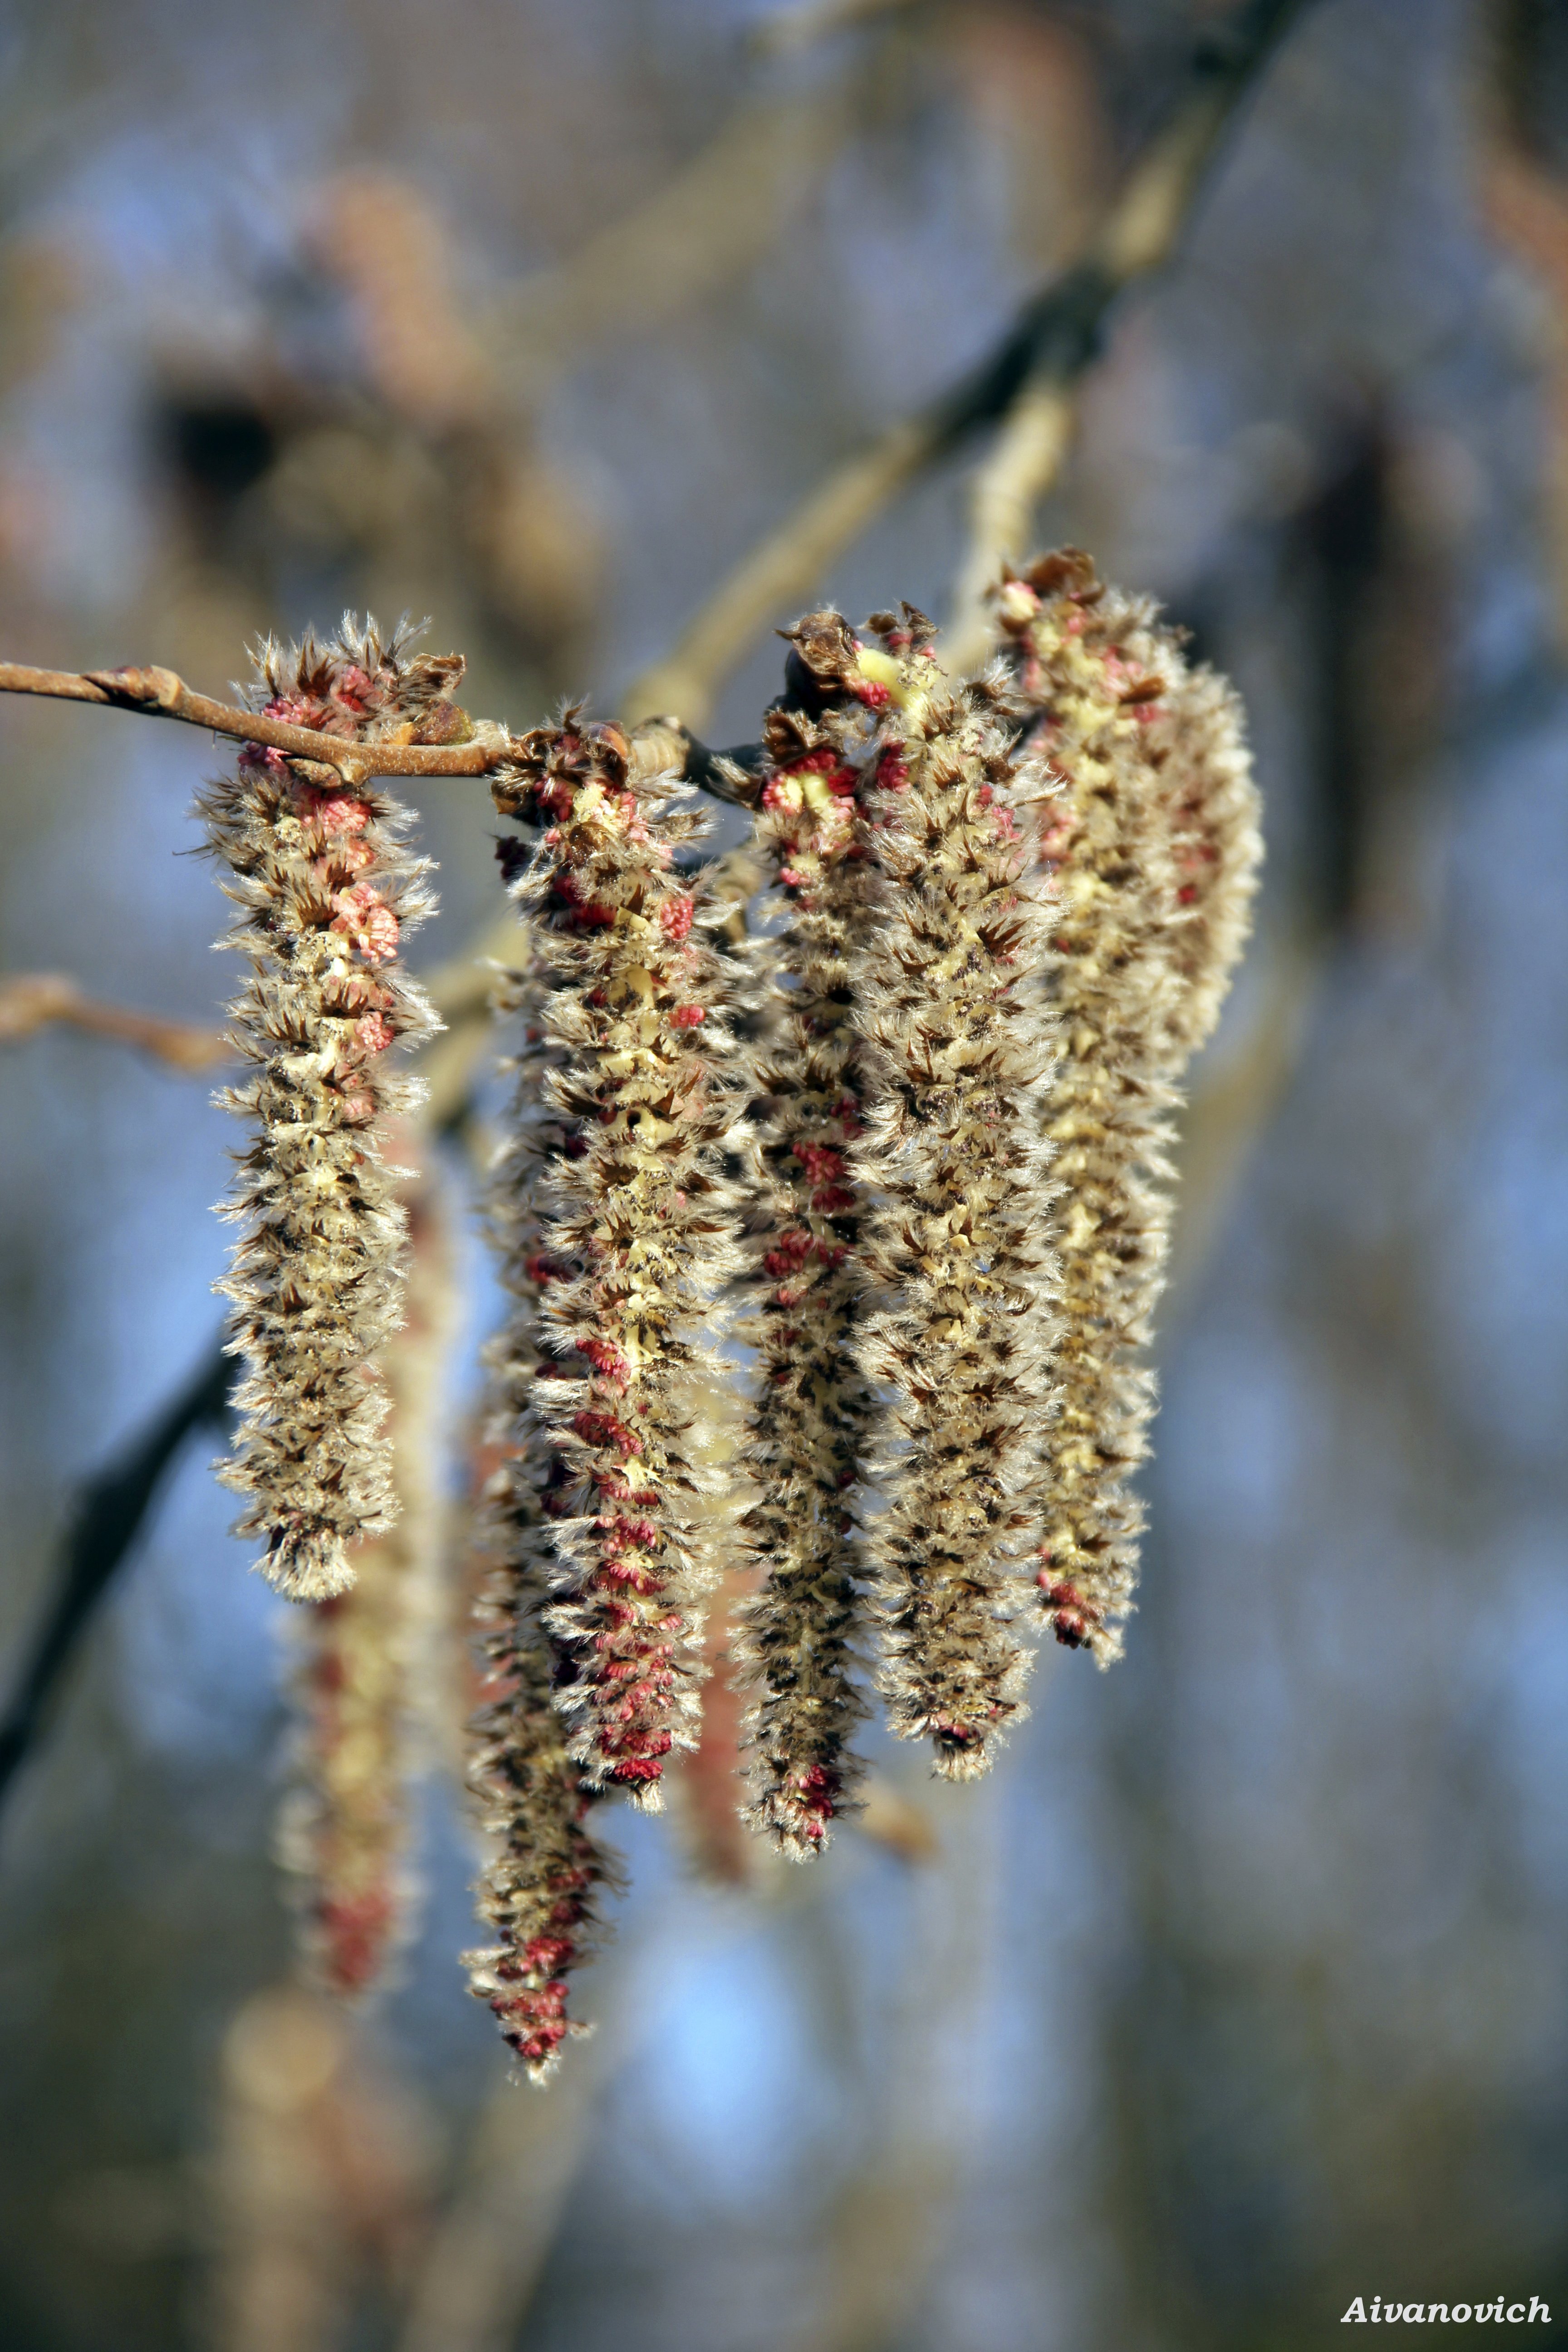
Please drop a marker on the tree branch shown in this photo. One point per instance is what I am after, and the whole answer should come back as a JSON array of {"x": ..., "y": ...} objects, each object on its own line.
[
  {"x": 31, "y": 1001},
  {"x": 1050, "y": 345},
  {"x": 109, "y": 1512},
  {"x": 159, "y": 694}
]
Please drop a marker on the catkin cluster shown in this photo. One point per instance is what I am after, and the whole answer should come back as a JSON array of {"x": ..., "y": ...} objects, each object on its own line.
[
  {"x": 638, "y": 1233},
  {"x": 1153, "y": 846},
  {"x": 810, "y": 1421},
  {"x": 326, "y": 891},
  {"x": 959, "y": 1040},
  {"x": 924, "y": 1126}
]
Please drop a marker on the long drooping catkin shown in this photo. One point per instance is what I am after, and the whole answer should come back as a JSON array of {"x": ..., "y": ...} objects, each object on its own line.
[
  {"x": 541, "y": 1884},
  {"x": 1155, "y": 851},
  {"x": 639, "y": 1219},
  {"x": 959, "y": 1041},
  {"x": 361, "y": 1658},
  {"x": 810, "y": 1422},
  {"x": 327, "y": 892}
]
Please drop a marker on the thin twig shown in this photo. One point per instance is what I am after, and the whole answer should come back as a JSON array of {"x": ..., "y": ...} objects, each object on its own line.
[
  {"x": 31, "y": 1001},
  {"x": 1053, "y": 340},
  {"x": 109, "y": 1512},
  {"x": 710, "y": 222},
  {"x": 159, "y": 694}
]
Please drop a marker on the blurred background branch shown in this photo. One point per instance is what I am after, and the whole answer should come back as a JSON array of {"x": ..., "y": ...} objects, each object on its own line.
[
  {"x": 1049, "y": 346},
  {"x": 106, "y": 1519},
  {"x": 31, "y": 1001}
]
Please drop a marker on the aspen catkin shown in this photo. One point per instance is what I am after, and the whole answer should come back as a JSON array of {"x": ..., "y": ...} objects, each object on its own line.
[
  {"x": 542, "y": 1882},
  {"x": 1154, "y": 850},
  {"x": 639, "y": 1217},
  {"x": 327, "y": 892},
  {"x": 960, "y": 1042},
  {"x": 811, "y": 1420}
]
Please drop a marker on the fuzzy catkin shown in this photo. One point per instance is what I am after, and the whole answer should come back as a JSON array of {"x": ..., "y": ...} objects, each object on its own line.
[
  {"x": 1217, "y": 847},
  {"x": 811, "y": 1420},
  {"x": 960, "y": 1040},
  {"x": 639, "y": 1219},
  {"x": 546, "y": 1872},
  {"x": 360, "y": 1660},
  {"x": 327, "y": 892},
  {"x": 1154, "y": 849}
]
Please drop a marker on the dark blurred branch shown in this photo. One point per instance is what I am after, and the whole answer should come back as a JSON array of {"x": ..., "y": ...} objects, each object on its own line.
[
  {"x": 1052, "y": 342},
  {"x": 31, "y": 1001},
  {"x": 159, "y": 694},
  {"x": 109, "y": 1516}
]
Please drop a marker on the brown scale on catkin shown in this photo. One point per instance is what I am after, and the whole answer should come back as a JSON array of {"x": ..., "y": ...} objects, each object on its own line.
[
  {"x": 959, "y": 1041},
  {"x": 811, "y": 1420},
  {"x": 360, "y": 1659},
  {"x": 327, "y": 891},
  {"x": 639, "y": 1219},
  {"x": 1154, "y": 850},
  {"x": 542, "y": 1883}
]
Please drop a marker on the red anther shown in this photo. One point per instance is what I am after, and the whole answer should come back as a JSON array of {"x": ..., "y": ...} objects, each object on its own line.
[
  {"x": 821, "y": 1161},
  {"x": 355, "y": 688},
  {"x": 605, "y": 1358},
  {"x": 1073, "y": 1619},
  {"x": 548, "y": 1954},
  {"x": 374, "y": 1031},
  {"x": 354, "y": 1931},
  {"x": 632, "y": 1575},
  {"x": 687, "y": 1016},
  {"x": 675, "y": 917},
  {"x": 603, "y": 1429},
  {"x": 369, "y": 921},
  {"x": 817, "y": 1791}
]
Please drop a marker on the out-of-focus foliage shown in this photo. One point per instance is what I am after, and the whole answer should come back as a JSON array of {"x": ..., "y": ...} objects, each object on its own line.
[{"x": 1238, "y": 1990}]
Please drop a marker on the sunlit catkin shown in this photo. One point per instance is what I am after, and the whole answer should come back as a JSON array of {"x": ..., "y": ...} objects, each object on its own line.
[
  {"x": 959, "y": 1041},
  {"x": 1153, "y": 848},
  {"x": 327, "y": 892},
  {"x": 544, "y": 1873},
  {"x": 639, "y": 1221},
  {"x": 810, "y": 1421}
]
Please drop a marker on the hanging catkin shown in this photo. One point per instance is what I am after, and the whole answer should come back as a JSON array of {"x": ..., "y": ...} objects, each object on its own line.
[
  {"x": 639, "y": 1219},
  {"x": 810, "y": 1422},
  {"x": 539, "y": 1890},
  {"x": 959, "y": 1041},
  {"x": 1155, "y": 849},
  {"x": 363, "y": 1661},
  {"x": 326, "y": 893}
]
